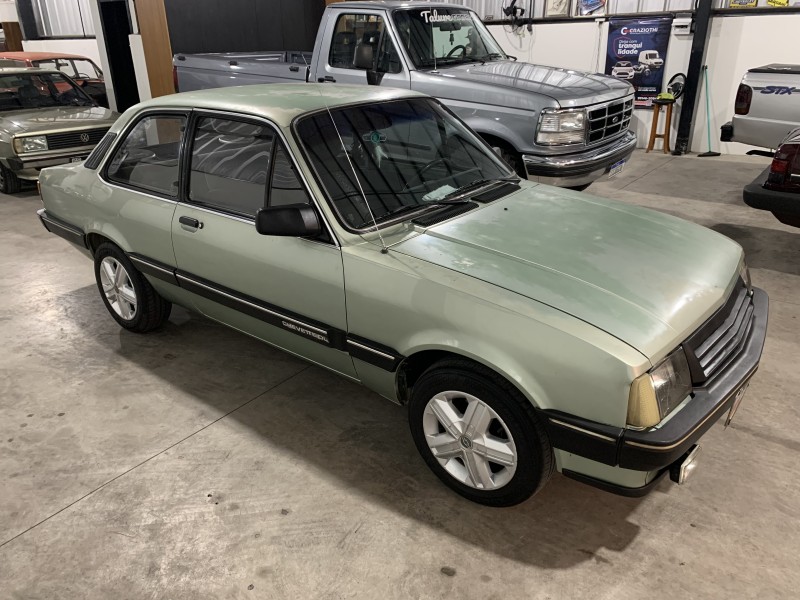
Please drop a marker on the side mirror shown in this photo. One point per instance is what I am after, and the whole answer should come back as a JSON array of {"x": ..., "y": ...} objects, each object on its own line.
[
  {"x": 365, "y": 56},
  {"x": 293, "y": 220}
]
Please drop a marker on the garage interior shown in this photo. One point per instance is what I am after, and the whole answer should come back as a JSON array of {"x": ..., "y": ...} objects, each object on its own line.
[{"x": 198, "y": 462}]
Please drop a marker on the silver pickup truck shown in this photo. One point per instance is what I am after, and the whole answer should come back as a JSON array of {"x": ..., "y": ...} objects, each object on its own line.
[
  {"x": 767, "y": 106},
  {"x": 551, "y": 125}
]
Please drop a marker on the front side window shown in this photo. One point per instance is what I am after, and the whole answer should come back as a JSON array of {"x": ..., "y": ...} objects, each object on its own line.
[
  {"x": 230, "y": 165},
  {"x": 360, "y": 39},
  {"x": 149, "y": 156},
  {"x": 443, "y": 36},
  {"x": 404, "y": 154},
  {"x": 39, "y": 90}
]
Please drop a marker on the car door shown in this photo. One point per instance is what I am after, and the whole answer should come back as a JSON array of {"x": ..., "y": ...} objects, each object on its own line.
[
  {"x": 287, "y": 291},
  {"x": 359, "y": 32}
]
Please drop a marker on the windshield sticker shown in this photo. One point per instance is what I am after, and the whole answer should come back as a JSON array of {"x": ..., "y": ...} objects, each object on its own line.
[
  {"x": 376, "y": 137},
  {"x": 433, "y": 16},
  {"x": 438, "y": 193}
]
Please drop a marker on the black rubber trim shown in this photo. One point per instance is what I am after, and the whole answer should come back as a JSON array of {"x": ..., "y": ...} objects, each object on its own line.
[
  {"x": 448, "y": 212},
  {"x": 656, "y": 449},
  {"x": 757, "y": 196},
  {"x": 96, "y": 156},
  {"x": 579, "y": 436},
  {"x": 156, "y": 269},
  {"x": 726, "y": 132},
  {"x": 69, "y": 232},
  {"x": 495, "y": 193},
  {"x": 373, "y": 353},
  {"x": 619, "y": 490}
]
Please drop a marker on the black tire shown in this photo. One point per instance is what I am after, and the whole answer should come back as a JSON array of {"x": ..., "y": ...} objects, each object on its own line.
[
  {"x": 150, "y": 311},
  {"x": 510, "y": 156},
  {"x": 534, "y": 454},
  {"x": 9, "y": 182}
]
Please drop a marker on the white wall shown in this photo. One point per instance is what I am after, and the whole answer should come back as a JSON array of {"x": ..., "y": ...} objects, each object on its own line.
[
  {"x": 8, "y": 11},
  {"x": 735, "y": 45}
]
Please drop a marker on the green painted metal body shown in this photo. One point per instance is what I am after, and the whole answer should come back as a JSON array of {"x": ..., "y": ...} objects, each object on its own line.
[{"x": 568, "y": 296}]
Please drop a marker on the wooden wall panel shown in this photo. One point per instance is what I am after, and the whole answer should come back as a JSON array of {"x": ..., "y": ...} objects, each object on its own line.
[
  {"x": 152, "y": 19},
  {"x": 13, "y": 36}
]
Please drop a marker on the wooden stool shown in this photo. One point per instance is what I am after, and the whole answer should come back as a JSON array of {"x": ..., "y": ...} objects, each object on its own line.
[{"x": 657, "y": 104}]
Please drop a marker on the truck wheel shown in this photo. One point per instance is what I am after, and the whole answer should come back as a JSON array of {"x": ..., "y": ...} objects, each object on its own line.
[
  {"x": 9, "y": 182},
  {"x": 478, "y": 434},
  {"x": 510, "y": 156},
  {"x": 128, "y": 296}
]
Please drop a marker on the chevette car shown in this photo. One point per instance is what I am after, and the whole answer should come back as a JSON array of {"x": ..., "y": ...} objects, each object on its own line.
[
  {"x": 777, "y": 189},
  {"x": 527, "y": 328},
  {"x": 45, "y": 120},
  {"x": 623, "y": 70},
  {"x": 80, "y": 69}
]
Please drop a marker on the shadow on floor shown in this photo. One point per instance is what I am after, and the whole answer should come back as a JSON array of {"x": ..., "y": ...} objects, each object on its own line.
[
  {"x": 363, "y": 440},
  {"x": 771, "y": 249}
]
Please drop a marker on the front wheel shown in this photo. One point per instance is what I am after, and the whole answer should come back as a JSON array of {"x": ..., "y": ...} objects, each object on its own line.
[
  {"x": 9, "y": 182},
  {"x": 478, "y": 434},
  {"x": 128, "y": 296}
]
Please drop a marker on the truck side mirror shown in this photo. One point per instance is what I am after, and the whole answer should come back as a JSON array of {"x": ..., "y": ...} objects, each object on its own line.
[
  {"x": 291, "y": 220},
  {"x": 365, "y": 57}
]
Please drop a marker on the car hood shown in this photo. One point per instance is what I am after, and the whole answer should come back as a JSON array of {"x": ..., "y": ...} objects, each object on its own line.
[
  {"x": 35, "y": 120},
  {"x": 647, "y": 278},
  {"x": 567, "y": 87}
]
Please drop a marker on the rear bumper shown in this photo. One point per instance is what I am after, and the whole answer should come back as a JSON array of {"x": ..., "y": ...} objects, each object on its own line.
[
  {"x": 579, "y": 168},
  {"x": 658, "y": 449},
  {"x": 757, "y": 196}
]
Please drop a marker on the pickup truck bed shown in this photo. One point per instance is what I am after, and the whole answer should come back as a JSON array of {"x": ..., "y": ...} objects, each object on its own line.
[{"x": 201, "y": 71}]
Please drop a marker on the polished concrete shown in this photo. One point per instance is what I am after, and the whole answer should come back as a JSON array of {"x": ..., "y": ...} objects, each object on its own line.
[{"x": 196, "y": 462}]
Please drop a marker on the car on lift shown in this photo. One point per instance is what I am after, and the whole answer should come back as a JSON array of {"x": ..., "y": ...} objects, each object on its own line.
[
  {"x": 45, "y": 119},
  {"x": 777, "y": 189},
  {"x": 368, "y": 230},
  {"x": 80, "y": 69}
]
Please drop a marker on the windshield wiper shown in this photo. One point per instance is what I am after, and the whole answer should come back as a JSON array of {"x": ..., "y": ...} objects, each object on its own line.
[
  {"x": 464, "y": 189},
  {"x": 411, "y": 207}
]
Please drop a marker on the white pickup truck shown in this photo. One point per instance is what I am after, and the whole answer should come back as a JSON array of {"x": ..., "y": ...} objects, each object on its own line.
[
  {"x": 767, "y": 106},
  {"x": 551, "y": 125}
]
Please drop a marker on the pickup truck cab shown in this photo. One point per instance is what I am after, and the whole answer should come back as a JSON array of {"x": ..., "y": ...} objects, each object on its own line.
[
  {"x": 528, "y": 328},
  {"x": 555, "y": 126},
  {"x": 767, "y": 106}
]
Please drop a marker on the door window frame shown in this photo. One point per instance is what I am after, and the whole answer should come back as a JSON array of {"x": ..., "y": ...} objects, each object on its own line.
[
  {"x": 122, "y": 135},
  {"x": 388, "y": 27}
]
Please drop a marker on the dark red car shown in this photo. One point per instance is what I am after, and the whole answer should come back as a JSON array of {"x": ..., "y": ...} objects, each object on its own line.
[
  {"x": 777, "y": 189},
  {"x": 79, "y": 68}
]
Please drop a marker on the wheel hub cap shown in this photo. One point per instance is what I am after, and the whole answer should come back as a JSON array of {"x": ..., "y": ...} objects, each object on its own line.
[{"x": 469, "y": 440}]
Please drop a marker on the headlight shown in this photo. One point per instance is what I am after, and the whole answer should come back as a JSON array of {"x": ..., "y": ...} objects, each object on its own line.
[
  {"x": 558, "y": 127},
  {"x": 744, "y": 273},
  {"x": 35, "y": 143},
  {"x": 654, "y": 394}
]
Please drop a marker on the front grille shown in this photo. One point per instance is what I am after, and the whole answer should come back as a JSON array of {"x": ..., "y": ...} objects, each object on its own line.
[
  {"x": 609, "y": 120},
  {"x": 722, "y": 337},
  {"x": 72, "y": 139}
]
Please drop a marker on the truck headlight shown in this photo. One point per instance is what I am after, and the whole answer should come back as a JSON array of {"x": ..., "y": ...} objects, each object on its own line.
[
  {"x": 654, "y": 394},
  {"x": 34, "y": 143},
  {"x": 559, "y": 127}
]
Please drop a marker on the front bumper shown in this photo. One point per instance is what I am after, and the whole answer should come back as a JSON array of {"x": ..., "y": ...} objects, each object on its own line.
[
  {"x": 784, "y": 205},
  {"x": 28, "y": 166},
  {"x": 580, "y": 168},
  {"x": 658, "y": 448}
]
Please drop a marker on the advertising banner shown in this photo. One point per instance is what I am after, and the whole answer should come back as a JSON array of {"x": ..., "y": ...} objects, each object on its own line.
[
  {"x": 637, "y": 51},
  {"x": 742, "y": 3}
]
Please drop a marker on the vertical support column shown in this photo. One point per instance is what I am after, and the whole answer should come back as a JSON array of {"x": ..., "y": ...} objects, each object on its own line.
[
  {"x": 152, "y": 20},
  {"x": 702, "y": 25}
]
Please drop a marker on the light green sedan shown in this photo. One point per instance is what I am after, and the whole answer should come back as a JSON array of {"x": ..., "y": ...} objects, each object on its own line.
[{"x": 527, "y": 328}]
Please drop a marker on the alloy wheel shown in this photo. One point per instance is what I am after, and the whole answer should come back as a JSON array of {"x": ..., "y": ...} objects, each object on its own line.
[{"x": 118, "y": 288}]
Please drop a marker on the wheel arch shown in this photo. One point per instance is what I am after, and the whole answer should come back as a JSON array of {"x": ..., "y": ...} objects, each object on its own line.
[{"x": 94, "y": 238}]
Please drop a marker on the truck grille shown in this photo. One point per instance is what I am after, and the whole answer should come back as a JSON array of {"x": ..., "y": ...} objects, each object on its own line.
[
  {"x": 609, "y": 120},
  {"x": 722, "y": 337},
  {"x": 72, "y": 139}
]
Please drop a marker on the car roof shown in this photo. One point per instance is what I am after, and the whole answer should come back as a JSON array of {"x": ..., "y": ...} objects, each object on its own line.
[
  {"x": 279, "y": 102},
  {"x": 39, "y": 55}
]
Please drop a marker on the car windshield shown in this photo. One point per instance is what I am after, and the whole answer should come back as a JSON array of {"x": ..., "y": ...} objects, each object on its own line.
[
  {"x": 443, "y": 36},
  {"x": 77, "y": 68},
  {"x": 39, "y": 90},
  {"x": 406, "y": 155}
]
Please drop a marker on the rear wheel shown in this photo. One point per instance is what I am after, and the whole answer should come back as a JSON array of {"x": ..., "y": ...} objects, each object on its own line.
[
  {"x": 9, "y": 182},
  {"x": 478, "y": 434},
  {"x": 128, "y": 296}
]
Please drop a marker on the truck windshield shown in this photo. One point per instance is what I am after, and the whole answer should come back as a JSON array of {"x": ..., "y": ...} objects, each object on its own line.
[
  {"x": 443, "y": 36},
  {"x": 406, "y": 156},
  {"x": 39, "y": 90}
]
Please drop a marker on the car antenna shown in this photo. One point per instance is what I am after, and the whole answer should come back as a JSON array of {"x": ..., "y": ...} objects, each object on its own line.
[{"x": 384, "y": 247}]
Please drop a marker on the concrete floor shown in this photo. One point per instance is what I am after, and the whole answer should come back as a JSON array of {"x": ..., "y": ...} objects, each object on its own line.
[{"x": 198, "y": 463}]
